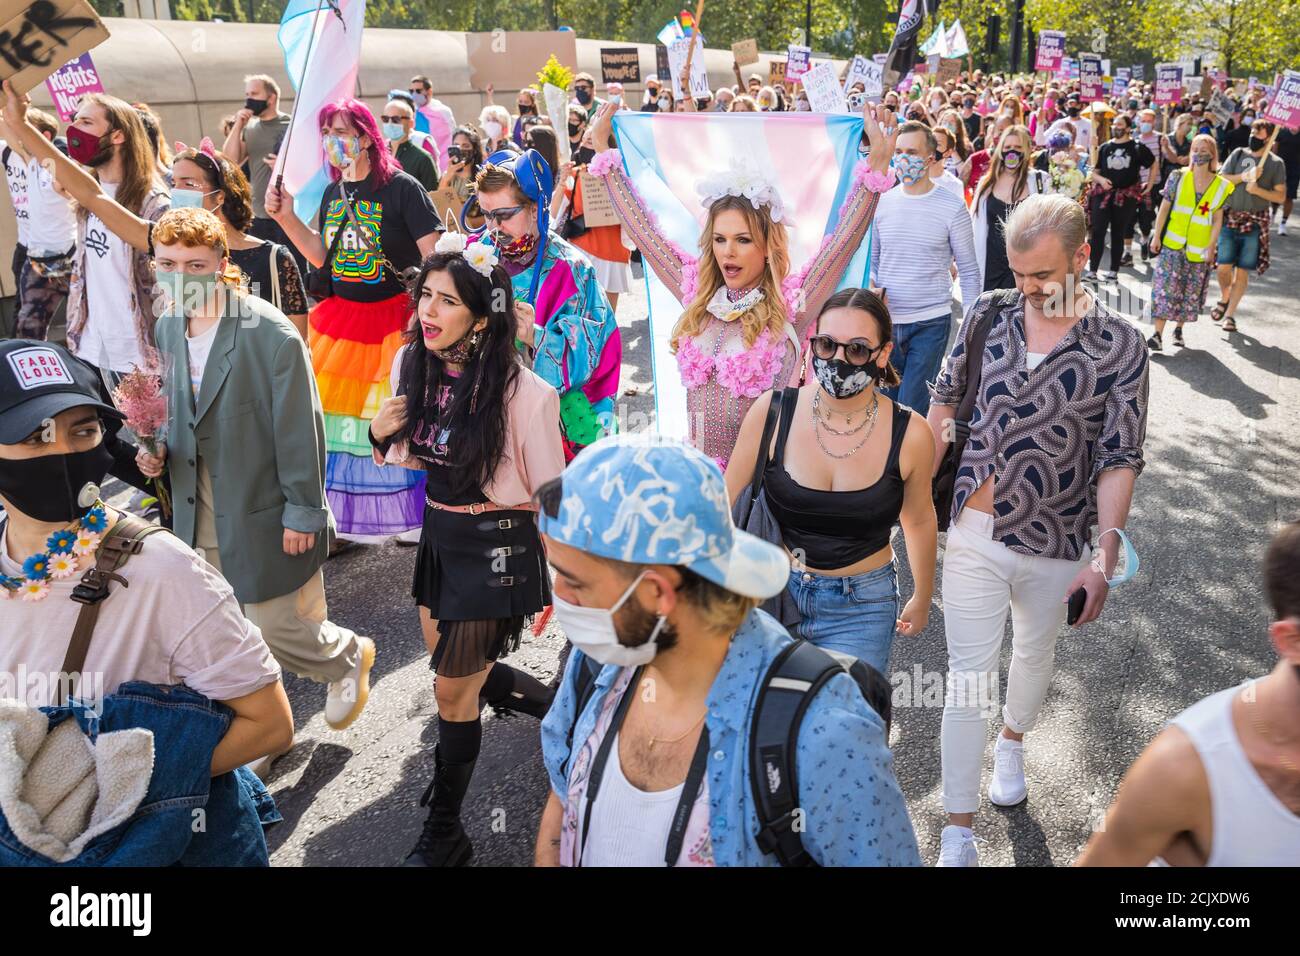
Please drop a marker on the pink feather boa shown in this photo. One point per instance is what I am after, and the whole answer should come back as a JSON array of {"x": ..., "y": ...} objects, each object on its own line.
[
  {"x": 746, "y": 374},
  {"x": 605, "y": 163}
]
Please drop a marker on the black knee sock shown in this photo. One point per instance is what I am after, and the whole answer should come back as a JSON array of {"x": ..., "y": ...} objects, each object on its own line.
[
  {"x": 504, "y": 679},
  {"x": 459, "y": 741}
]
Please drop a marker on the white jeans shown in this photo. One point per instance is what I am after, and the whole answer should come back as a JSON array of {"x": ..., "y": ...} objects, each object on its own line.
[{"x": 982, "y": 579}]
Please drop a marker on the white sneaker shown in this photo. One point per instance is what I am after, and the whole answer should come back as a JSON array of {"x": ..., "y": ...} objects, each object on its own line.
[
  {"x": 957, "y": 847},
  {"x": 1281, "y": 228},
  {"x": 346, "y": 698},
  {"x": 1007, "y": 788}
]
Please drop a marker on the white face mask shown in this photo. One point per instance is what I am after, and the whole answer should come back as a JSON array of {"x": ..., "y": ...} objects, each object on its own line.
[
  {"x": 592, "y": 631},
  {"x": 493, "y": 129}
]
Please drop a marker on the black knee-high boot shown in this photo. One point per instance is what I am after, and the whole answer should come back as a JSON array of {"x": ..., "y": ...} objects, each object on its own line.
[
  {"x": 508, "y": 688},
  {"x": 443, "y": 841}
]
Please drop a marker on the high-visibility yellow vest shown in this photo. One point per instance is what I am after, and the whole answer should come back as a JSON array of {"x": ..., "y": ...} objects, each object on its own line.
[{"x": 1191, "y": 222}]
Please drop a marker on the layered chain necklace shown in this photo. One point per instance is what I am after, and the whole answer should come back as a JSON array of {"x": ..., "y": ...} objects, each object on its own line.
[{"x": 868, "y": 423}]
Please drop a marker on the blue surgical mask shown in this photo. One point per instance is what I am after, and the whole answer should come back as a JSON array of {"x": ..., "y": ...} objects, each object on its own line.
[
  {"x": 910, "y": 169},
  {"x": 393, "y": 131},
  {"x": 1129, "y": 561},
  {"x": 1145, "y": 127},
  {"x": 188, "y": 198}
]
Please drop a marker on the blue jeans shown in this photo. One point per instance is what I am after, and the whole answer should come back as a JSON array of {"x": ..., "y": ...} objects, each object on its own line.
[
  {"x": 919, "y": 348},
  {"x": 1240, "y": 249},
  {"x": 187, "y": 727},
  {"x": 855, "y": 614}
]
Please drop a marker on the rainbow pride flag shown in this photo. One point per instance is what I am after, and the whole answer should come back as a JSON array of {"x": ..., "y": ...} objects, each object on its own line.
[{"x": 810, "y": 156}]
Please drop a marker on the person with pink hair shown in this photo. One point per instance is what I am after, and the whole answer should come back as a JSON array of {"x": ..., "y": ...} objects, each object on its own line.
[{"x": 376, "y": 222}]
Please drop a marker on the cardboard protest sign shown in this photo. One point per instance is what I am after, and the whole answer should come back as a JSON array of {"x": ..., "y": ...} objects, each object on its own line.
[
  {"x": 36, "y": 39},
  {"x": 597, "y": 207},
  {"x": 1051, "y": 50},
  {"x": 867, "y": 72},
  {"x": 1220, "y": 107},
  {"x": 70, "y": 82},
  {"x": 949, "y": 70},
  {"x": 699, "y": 78},
  {"x": 1169, "y": 83},
  {"x": 620, "y": 65},
  {"x": 825, "y": 95},
  {"x": 931, "y": 64},
  {"x": 798, "y": 61},
  {"x": 775, "y": 72},
  {"x": 447, "y": 203},
  {"x": 745, "y": 52},
  {"x": 1284, "y": 108},
  {"x": 510, "y": 60}
]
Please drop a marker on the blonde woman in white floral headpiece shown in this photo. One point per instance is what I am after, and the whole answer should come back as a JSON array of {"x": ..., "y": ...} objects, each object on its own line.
[
  {"x": 486, "y": 432},
  {"x": 746, "y": 315}
]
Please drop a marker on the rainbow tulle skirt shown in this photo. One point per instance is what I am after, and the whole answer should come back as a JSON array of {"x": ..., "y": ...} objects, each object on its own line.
[{"x": 352, "y": 350}]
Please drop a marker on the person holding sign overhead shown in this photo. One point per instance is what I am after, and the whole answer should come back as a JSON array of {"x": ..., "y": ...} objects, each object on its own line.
[{"x": 601, "y": 240}]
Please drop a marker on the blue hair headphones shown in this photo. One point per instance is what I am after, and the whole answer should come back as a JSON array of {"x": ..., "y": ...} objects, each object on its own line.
[{"x": 536, "y": 181}]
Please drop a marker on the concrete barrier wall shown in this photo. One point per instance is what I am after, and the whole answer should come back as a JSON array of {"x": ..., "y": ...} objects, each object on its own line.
[{"x": 192, "y": 74}]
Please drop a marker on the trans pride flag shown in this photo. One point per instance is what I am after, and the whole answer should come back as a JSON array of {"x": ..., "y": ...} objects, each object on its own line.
[
  {"x": 321, "y": 40},
  {"x": 810, "y": 157}
]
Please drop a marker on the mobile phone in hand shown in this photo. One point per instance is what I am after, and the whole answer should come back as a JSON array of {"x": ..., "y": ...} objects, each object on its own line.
[{"x": 1077, "y": 601}]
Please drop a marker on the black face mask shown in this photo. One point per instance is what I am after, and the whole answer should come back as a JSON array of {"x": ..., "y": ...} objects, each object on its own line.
[
  {"x": 525, "y": 109},
  {"x": 574, "y": 129},
  {"x": 583, "y": 156},
  {"x": 843, "y": 379},
  {"x": 47, "y": 488},
  {"x": 583, "y": 95},
  {"x": 1257, "y": 143},
  {"x": 257, "y": 106},
  {"x": 1073, "y": 111}
]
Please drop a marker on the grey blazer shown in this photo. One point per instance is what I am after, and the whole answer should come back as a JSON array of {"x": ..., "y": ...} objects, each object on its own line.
[{"x": 258, "y": 426}]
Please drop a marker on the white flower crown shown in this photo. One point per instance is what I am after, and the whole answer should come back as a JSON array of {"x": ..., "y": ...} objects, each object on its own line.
[
  {"x": 481, "y": 256},
  {"x": 744, "y": 178}
]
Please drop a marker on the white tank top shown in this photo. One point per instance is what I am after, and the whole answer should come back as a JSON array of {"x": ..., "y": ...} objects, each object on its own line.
[
  {"x": 629, "y": 827},
  {"x": 1252, "y": 827}
]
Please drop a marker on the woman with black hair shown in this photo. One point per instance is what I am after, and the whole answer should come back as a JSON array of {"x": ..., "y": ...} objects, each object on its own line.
[
  {"x": 485, "y": 430},
  {"x": 464, "y": 159}
]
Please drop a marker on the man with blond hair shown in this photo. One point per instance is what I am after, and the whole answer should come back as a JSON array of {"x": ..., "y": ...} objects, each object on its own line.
[{"x": 1054, "y": 450}]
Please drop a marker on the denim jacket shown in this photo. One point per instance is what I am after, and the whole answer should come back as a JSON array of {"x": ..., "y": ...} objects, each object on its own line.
[
  {"x": 854, "y": 808},
  {"x": 186, "y": 817}
]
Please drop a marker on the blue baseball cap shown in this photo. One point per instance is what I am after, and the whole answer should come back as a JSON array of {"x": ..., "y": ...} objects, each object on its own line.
[{"x": 646, "y": 499}]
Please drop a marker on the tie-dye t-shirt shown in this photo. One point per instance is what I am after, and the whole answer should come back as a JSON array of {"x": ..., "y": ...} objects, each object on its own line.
[{"x": 392, "y": 217}]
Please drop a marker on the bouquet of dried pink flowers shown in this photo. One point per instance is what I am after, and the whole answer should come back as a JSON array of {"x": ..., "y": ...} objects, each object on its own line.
[{"x": 141, "y": 396}]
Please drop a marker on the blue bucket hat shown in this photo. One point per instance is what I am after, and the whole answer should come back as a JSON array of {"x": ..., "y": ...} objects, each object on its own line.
[
  {"x": 646, "y": 499},
  {"x": 536, "y": 181}
]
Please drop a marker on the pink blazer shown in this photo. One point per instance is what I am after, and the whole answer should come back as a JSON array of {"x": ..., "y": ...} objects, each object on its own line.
[{"x": 534, "y": 453}]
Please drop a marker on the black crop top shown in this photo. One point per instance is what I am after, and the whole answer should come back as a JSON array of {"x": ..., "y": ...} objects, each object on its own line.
[{"x": 834, "y": 529}]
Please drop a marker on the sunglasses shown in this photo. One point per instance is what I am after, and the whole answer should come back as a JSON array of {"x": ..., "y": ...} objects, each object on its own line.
[
  {"x": 857, "y": 351},
  {"x": 584, "y": 87},
  {"x": 391, "y": 119},
  {"x": 501, "y": 215}
]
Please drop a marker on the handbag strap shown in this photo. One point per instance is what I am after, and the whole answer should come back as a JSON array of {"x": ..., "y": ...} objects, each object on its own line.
[
  {"x": 275, "y": 274},
  {"x": 975, "y": 355},
  {"x": 366, "y": 238},
  {"x": 760, "y": 460},
  {"x": 124, "y": 539}
]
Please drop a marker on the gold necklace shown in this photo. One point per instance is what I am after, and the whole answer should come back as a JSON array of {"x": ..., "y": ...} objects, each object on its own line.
[
  {"x": 666, "y": 740},
  {"x": 869, "y": 421},
  {"x": 848, "y": 416},
  {"x": 1258, "y": 723}
]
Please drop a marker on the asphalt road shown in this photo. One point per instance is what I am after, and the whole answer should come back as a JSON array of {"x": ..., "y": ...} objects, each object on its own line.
[{"x": 1222, "y": 445}]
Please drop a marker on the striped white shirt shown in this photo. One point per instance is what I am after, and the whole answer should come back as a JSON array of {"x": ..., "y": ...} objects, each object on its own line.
[{"x": 915, "y": 241}]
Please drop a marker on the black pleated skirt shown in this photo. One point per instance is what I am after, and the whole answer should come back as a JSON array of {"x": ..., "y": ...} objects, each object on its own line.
[{"x": 481, "y": 577}]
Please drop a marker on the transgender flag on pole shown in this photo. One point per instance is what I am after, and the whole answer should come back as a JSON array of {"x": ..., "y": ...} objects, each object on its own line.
[
  {"x": 666, "y": 154},
  {"x": 321, "y": 40}
]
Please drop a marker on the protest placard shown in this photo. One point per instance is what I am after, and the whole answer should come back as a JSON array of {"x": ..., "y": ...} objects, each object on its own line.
[
  {"x": 880, "y": 58},
  {"x": 1139, "y": 72},
  {"x": 745, "y": 52},
  {"x": 661, "y": 63},
  {"x": 620, "y": 65},
  {"x": 1284, "y": 108},
  {"x": 867, "y": 72},
  {"x": 36, "y": 39},
  {"x": 447, "y": 203},
  {"x": 699, "y": 79},
  {"x": 949, "y": 69},
  {"x": 775, "y": 72},
  {"x": 70, "y": 82},
  {"x": 825, "y": 95},
  {"x": 1220, "y": 107},
  {"x": 1169, "y": 83},
  {"x": 597, "y": 207},
  {"x": 1090, "y": 85},
  {"x": 1051, "y": 50},
  {"x": 798, "y": 61}
]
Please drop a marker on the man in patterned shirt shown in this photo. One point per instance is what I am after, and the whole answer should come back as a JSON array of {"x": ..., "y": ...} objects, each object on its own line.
[{"x": 1055, "y": 447}]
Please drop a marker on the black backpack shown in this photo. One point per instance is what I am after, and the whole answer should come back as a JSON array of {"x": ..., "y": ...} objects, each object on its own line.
[{"x": 795, "y": 677}]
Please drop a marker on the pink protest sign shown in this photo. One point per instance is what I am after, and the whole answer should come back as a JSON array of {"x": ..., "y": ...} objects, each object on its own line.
[
  {"x": 70, "y": 82},
  {"x": 1284, "y": 108},
  {"x": 1051, "y": 50},
  {"x": 1169, "y": 84},
  {"x": 1090, "y": 83}
]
